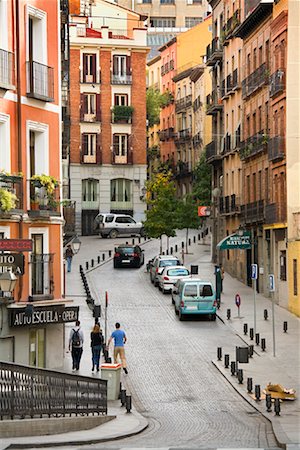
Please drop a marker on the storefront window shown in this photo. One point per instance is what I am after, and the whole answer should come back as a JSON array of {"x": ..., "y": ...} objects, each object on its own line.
[{"x": 37, "y": 347}]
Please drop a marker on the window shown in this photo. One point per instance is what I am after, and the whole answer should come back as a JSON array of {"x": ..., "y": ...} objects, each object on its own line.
[
  {"x": 167, "y": 2},
  {"x": 89, "y": 68},
  {"x": 121, "y": 190},
  {"x": 89, "y": 144},
  {"x": 295, "y": 279},
  {"x": 121, "y": 100},
  {"x": 163, "y": 22},
  {"x": 283, "y": 265},
  {"x": 190, "y": 290},
  {"x": 90, "y": 190},
  {"x": 194, "y": 2},
  {"x": 124, "y": 220},
  {"x": 89, "y": 107},
  {"x": 192, "y": 21},
  {"x": 90, "y": 103},
  {"x": 5, "y": 142},
  {"x": 121, "y": 65},
  {"x": 41, "y": 265},
  {"x": 120, "y": 144}
]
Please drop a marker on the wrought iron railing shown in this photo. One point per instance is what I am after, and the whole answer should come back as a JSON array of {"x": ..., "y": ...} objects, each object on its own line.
[
  {"x": 40, "y": 81},
  {"x": 182, "y": 169},
  {"x": 43, "y": 202},
  {"x": 235, "y": 79},
  {"x": 6, "y": 69},
  {"x": 197, "y": 139},
  {"x": 183, "y": 103},
  {"x": 276, "y": 148},
  {"x": 276, "y": 213},
  {"x": 231, "y": 24},
  {"x": 254, "y": 145},
  {"x": 277, "y": 82},
  {"x": 14, "y": 185},
  {"x": 28, "y": 392},
  {"x": 229, "y": 204},
  {"x": 183, "y": 135},
  {"x": 214, "y": 101},
  {"x": 255, "y": 80},
  {"x": 214, "y": 50},
  {"x": 121, "y": 79},
  {"x": 253, "y": 212},
  {"x": 211, "y": 150}
]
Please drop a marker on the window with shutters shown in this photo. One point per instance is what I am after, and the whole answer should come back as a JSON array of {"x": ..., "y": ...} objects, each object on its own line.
[
  {"x": 192, "y": 21},
  {"x": 90, "y": 193},
  {"x": 89, "y": 147},
  {"x": 121, "y": 70},
  {"x": 121, "y": 194},
  {"x": 90, "y": 108},
  {"x": 121, "y": 100},
  {"x": 89, "y": 74},
  {"x": 121, "y": 149}
]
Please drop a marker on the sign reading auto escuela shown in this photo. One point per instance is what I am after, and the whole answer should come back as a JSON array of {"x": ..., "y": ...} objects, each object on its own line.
[{"x": 42, "y": 315}]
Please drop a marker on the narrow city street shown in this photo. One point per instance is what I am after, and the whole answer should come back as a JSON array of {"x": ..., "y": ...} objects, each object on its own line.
[{"x": 171, "y": 378}]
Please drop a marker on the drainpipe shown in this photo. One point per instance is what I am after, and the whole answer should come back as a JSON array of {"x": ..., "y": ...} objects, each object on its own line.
[{"x": 19, "y": 124}]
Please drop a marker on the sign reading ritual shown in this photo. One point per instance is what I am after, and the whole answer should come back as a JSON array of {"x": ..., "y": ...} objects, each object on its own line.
[{"x": 42, "y": 315}]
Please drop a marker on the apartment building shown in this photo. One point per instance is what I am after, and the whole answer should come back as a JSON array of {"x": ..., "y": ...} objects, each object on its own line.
[
  {"x": 108, "y": 165},
  {"x": 168, "y": 18},
  {"x": 33, "y": 314},
  {"x": 153, "y": 147}
]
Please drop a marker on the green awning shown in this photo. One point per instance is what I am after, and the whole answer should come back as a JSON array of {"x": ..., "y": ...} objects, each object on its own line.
[{"x": 235, "y": 241}]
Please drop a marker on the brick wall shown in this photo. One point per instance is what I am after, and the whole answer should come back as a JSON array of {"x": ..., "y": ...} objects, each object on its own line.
[
  {"x": 74, "y": 106},
  {"x": 106, "y": 136},
  {"x": 138, "y": 95}
]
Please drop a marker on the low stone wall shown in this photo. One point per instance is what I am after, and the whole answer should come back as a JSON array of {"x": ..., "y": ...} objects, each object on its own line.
[{"x": 52, "y": 425}]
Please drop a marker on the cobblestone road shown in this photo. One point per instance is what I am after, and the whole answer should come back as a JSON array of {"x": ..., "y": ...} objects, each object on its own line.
[{"x": 171, "y": 378}]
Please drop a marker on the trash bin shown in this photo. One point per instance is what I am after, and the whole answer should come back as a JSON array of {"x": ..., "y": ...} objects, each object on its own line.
[
  {"x": 242, "y": 354},
  {"x": 111, "y": 373}
]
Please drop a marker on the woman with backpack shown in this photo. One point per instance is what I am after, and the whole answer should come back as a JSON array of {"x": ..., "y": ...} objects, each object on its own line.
[{"x": 96, "y": 346}]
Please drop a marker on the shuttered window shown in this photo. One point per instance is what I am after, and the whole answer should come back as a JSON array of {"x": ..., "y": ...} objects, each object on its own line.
[{"x": 89, "y": 68}]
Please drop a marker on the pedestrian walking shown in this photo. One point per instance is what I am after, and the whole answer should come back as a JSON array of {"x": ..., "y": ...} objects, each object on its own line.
[
  {"x": 97, "y": 341},
  {"x": 119, "y": 338},
  {"x": 69, "y": 256},
  {"x": 76, "y": 345},
  {"x": 222, "y": 277}
]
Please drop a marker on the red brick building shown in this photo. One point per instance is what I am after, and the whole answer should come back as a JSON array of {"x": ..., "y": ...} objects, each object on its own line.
[{"x": 107, "y": 111}]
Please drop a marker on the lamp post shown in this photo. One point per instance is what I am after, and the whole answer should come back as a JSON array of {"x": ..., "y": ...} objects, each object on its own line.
[
  {"x": 76, "y": 244},
  {"x": 8, "y": 281}
]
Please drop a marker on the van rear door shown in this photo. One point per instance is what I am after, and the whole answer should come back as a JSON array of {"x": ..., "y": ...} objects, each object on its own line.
[{"x": 190, "y": 297}]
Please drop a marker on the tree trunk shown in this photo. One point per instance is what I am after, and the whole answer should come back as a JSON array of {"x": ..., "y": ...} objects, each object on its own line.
[{"x": 160, "y": 248}]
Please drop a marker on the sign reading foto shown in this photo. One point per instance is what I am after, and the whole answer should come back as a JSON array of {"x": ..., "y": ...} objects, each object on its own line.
[
  {"x": 42, "y": 315},
  {"x": 16, "y": 245}
]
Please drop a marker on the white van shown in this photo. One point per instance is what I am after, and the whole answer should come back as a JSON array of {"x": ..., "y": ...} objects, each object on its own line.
[{"x": 114, "y": 225}]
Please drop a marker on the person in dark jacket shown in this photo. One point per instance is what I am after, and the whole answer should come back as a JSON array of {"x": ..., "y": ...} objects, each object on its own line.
[{"x": 96, "y": 346}]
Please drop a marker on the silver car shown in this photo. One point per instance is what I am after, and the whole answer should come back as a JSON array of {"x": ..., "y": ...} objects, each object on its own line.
[
  {"x": 158, "y": 263},
  {"x": 169, "y": 276},
  {"x": 114, "y": 225}
]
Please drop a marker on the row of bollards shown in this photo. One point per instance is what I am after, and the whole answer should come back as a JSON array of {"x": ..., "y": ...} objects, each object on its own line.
[
  {"x": 239, "y": 373},
  {"x": 125, "y": 399},
  {"x": 90, "y": 301}
]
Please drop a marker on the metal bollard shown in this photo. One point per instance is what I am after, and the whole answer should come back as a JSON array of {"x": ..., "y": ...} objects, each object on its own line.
[
  {"x": 257, "y": 338},
  {"x": 245, "y": 328},
  {"x": 263, "y": 344},
  {"x": 145, "y": 238},
  {"x": 123, "y": 397},
  {"x": 86, "y": 265},
  {"x": 109, "y": 253},
  {"x": 249, "y": 385},
  {"x": 98, "y": 259},
  {"x": 232, "y": 367},
  {"x": 194, "y": 239},
  {"x": 189, "y": 241},
  {"x": 133, "y": 241},
  {"x": 103, "y": 257},
  {"x": 251, "y": 350},
  {"x": 251, "y": 333},
  {"x": 269, "y": 402},
  {"x": 126, "y": 242},
  {"x": 167, "y": 251},
  {"x": 128, "y": 403},
  {"x": 219, "y": 353},
  {"x": 226, "y": 361},
  {"x": 176, "y": 248},
  {"x": 228, "y": 313},
  {"x": 285, "y": 327},
  {"x": 257, "y": 392},
  {"x": 171, "y": 250},
  {"x": 198, "y": 236},
  {"x": 265, "y": 314},
  {"x": 240, "y": 376},
  {"x": 182, "y": 244},
  {"x": 139, "y": 240},
  {"x": 277, "y": 406},
  {"x": 92, "y": 263}
]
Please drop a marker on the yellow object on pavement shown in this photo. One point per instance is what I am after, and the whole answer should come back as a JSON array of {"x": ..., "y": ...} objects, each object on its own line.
[{"x": 278, "y": 391}]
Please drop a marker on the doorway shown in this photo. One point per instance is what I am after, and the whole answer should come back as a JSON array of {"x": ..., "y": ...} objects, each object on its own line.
[{"x": 37, "y": 347}]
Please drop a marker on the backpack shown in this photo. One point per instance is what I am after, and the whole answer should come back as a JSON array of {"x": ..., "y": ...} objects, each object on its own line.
[{"x": 76, "y": 341}]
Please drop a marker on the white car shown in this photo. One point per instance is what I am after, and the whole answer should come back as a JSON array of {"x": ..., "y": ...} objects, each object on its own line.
[
  {"x": 169, "y": 276},
  {"x": 114, "y": 225}
]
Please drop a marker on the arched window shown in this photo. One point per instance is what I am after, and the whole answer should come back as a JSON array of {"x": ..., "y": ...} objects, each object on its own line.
[
  {"x": 90, "y": 193},
  {"x": 121, "y": 193}
]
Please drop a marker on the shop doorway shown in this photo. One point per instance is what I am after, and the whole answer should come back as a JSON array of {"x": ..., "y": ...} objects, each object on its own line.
[{"x": 37, "y": 347}]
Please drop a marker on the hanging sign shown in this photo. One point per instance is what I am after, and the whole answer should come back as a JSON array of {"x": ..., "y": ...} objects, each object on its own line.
[
  {"x": 12, "y": 262},
  {"x": 16, "y": 245},
  {"x": 235, "y": 242}
]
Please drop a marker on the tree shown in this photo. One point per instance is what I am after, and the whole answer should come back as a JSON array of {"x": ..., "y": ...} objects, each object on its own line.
[
  {"x": 154, "y": 102},
  {"x": 161, "y": 199},
  {"x": 202, "y": 182},
  {"x": 187, "y": 216}
]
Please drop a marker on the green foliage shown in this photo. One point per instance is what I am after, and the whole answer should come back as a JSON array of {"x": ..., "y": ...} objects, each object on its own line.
[
  {"x": 161, "y": 199},
  {"x": 154, "y": 102},
  {"x": 187, "y": 213},
  {"x": 8, "y": 200},
  {"x": 46, "y": 181},
  {"x": 122, "y": 113},
  {"x": 202, "y": 182}
]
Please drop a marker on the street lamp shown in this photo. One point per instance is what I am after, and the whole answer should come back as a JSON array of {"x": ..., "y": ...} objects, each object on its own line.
[
  {"x": 76, "y": 243},
  {"x": 143, "y": 193},
  {"x": 8, "y": 281}
]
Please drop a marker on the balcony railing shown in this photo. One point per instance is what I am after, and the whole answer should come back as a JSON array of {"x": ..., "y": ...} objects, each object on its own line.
[
  {"x": 197, "y": 140},
  {"x": 227, "y": 143},
  {"x": 276, "y": 213},
  {"x": 254, "y": 145},
  {"x": 183, "y": 136},
  {"x": 211, "y": 151},
  {"x": 121, "y": 79},
  {"x": 197, "y": 103},
  {"x": 40, "y": 81},
  {"x": 276, "y": 148},
  {"x": 14, "y": 185},
  {"x": 116, "y": 158},
  {"x": 214, "y": 51},
  {"x": 253, "y": 212},
  {"x": 277, "y": 82},
  {"x": 42, "y": 202},
  {"x": 121, "y": 114},
  {"x": 230, "y": 26},
  {"x": 29, "y": 392},
  {"x": 229, "y": 204},
  {"x": 255, "y": 80},
  {"x": 235, "y": 79},
  {"x": 183, "y": 103},
  {"x": 183, "y": 169},
  {"x": 90, "y": 117},
  {"x": 6, "y": 70},
  {"x": 214, "y": 102}
]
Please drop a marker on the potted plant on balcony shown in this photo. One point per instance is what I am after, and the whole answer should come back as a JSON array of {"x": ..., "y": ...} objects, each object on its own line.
[
  {"x": 46, "y": 181},
  {"x": 122, "y": 114},
  {"x": 8, "y": 200}
]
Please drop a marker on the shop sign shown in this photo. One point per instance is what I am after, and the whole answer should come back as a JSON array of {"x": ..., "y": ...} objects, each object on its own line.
[
  {"x": 13, "y": 262},
  {"x": 235, "y": 242},
  {"x": 42, "y": 315},
  {"x": 16, "y": 245}
]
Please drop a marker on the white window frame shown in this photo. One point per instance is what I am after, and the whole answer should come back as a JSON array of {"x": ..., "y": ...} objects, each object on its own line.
[
  {"x": 121, "y": 65},
  {"x": 5, "y": 152},
  {"x": 118, "y": 97},
  {"x": 3, "y": 25},
  {"x": 122, "y": 145},
  {"x": 40, "y": 50},
  {"x": 45, "y": 232},
  {"x": 89, "y": 102},
  {"x": 91, "y": 144},
  {"x": 6, "y": 231}
]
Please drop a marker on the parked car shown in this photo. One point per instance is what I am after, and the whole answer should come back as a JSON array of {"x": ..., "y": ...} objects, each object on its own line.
[
  {"x": 158, "y": 264},
  {"x": 114, "y": 225},
  {"x": 194, "y": 296},
  {"x": 128, "y": 256},
  {"x": 169, "y": 276}
]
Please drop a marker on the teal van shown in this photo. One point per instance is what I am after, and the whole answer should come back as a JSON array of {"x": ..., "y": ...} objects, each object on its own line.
[{"x": 194, "y": 296}]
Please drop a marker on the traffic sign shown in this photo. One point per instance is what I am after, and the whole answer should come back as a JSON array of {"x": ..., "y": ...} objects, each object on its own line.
[
  {"x": 203, "y": 211},
  {"x": 238, "y": 300},
  {"x": 271, "y": 283},
  {"x": 254, "y": 271}
]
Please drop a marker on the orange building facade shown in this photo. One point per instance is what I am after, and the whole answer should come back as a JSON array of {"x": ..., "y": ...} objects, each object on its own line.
[{"x": 33, "y": 315}]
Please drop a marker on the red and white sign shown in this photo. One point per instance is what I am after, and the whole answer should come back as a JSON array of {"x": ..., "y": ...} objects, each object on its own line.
[
  {"x": 203, "y": 211},
  {"x": 16, "y": 245}
]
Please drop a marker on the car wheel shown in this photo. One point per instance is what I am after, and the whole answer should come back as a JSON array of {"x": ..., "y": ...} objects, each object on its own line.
[
  {"x": 113, "y": 234},
  {"x": 181, "y": 316},
  {"x": 213, "y": 317},
  {"x": 155, "y": 283},
  {"x": 104, "y": 236},
  {"x": 115, "y": 265},
  {"x": 163, "y": 291}
]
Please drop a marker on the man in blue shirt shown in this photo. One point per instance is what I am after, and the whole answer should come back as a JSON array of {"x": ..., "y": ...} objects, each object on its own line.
[{"x": 120, "y": 338}]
